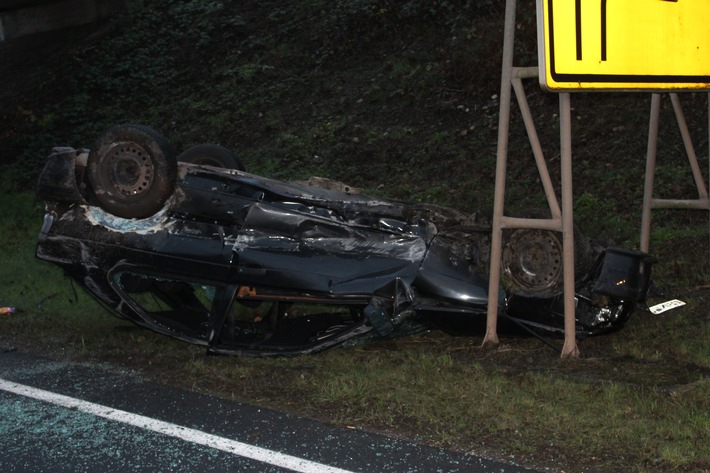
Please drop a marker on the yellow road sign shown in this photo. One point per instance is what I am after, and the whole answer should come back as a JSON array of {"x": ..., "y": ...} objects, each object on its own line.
[{"x": 624, "y": 44}]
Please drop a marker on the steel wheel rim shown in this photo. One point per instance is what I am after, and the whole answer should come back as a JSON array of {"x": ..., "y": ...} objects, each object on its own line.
[{"x": 131, "y": 169}]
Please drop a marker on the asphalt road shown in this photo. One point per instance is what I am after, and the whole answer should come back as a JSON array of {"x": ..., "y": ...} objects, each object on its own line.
[{"x": 59, "y": 416}]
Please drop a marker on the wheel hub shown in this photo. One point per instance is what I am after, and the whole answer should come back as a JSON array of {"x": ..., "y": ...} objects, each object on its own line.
[
  {"x": 132, "y": 169},
  {"x": 532, "y": 262}
]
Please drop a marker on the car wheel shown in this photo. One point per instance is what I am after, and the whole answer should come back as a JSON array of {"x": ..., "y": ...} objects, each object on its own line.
[
  {"x": 532, "y": 259},
  {"x": 532, "y": 263},
  {"x": 212, "y": 155},
  {"x": 131, "y": 171}
]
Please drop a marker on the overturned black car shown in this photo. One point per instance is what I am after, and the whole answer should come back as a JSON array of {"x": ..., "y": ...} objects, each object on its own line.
[{"x": 196, "y": 248}]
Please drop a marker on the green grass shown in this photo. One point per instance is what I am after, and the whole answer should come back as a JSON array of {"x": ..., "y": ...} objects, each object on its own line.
[{"x": 49, "y": 306}]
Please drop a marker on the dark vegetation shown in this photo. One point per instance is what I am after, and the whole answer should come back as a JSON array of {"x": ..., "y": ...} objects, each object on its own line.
[{"x": 399, "y": 98}]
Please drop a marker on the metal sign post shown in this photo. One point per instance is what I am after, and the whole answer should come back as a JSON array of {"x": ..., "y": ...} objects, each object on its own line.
[
  {"x": 635, "y": 45},
  {"x": 561, "y": 220},
  {"x": 649, "y": 202}
]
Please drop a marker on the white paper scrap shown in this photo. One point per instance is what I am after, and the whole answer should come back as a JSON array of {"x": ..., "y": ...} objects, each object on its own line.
[{"x": 664, "y": 306}]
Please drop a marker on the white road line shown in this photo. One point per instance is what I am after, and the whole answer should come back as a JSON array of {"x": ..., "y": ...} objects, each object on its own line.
[{"x": 190, "y": 435}]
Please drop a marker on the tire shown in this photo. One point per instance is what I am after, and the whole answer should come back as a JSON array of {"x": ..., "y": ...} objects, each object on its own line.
[
  {"x": 131, "y": 171},
  {"x": 211, "y": 155}
]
